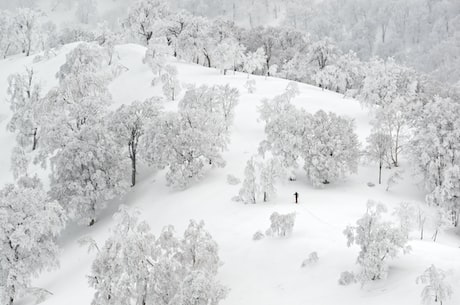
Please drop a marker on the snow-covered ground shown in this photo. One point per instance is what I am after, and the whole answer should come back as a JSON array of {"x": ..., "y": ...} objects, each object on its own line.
[{"x": 265, "y": 272}]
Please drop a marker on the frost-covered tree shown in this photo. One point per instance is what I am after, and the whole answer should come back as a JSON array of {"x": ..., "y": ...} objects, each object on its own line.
[
  {"x": 271, "y": 171},
  {"x": 322, "y": 52},
  {"x": 220, "y": 100},
  {"x": 434, "y": 146},
  {"x": 121, "y": 270},
  {"x": 30, "y": 223},
  {"x": 250, "y": 188},
  {"x": 86, "y": 11},
  {"x": 281, "y": 225},
  {"x": 250, "y": 85},
  {"x": 156, "y": 56},
  {"x": 228, "y": 54},
  {"x": 88, "y": 171},
  {"x": 377, "y": 149},
  {"x": 145, "y": 19},
  {"x": 24, "y": 97},
  {"x": 379, "y": 241},
  {"x": 385, "y": 82},
  {"x": 190, "y": 140},
  {"x": 6, "y": 28},
  {"x": 26, "y": 28},
  {"x": 107, "y": 39},
  {"x": 285, "y": 128},
  {"x": 406, "y": 214},
  {"x": 437, "y": 289},
  {"x": 171, "y": 85},
  {"x": 254, "y": 61},
  {"x": 129, "y": 124},
  {"x": 330, "y": 148},
  {"x": 133, "y": 267},
  {"x": 393, "y": 179},
  {"x": 87, "y": 166}
]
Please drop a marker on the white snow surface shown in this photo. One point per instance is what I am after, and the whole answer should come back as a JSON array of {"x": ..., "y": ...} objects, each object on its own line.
[{"x": 265, "y": 272}]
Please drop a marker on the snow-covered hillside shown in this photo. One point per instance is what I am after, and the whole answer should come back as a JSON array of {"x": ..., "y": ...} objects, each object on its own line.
[{"x": 264, "y": 272}]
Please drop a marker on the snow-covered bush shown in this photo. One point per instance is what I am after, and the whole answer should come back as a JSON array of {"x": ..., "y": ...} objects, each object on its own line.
[
  {"x": 250, "y": 85},
  {"x": 393, "y": 179},
  {"x": 258, "y": 236},
  {"x": 281, "y": 225},
  {"x": 312, "y": 259},
  {"x": 379, "y": 241},
  {"x": 347, "y": 278},
  {"x": 436, "y": 289},
  {"x": 232, "y": 180},
  {"x": 30, "y": 223},
  {"x": 132, "y": 261}
]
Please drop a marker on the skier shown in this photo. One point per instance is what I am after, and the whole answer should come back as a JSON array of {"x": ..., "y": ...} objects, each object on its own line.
[{"x": 296, "y": 195}]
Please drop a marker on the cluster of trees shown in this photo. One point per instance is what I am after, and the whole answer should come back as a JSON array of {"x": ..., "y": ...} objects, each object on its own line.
[
  {"x": 93, "y": 152},
  {"x": 380, "y": 240},
  {"x": 30, "y": 222},
  {"x": 133, "y": 266},
  {"x": 260, "y": 178},
  {"x": 419, "y": 33},
  {"x": 326, "y": 143},
  {"x": 91, "y": 149}
]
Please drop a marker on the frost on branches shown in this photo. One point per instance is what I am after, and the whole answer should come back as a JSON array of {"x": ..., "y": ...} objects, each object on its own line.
[
  {"x": 87, "y": 166},
  {"x": 260, "y": 177},
  {"x": 436, "y": 289},
  {"x": 29, "y": 225},
  {"x": 379, "y": 241},
  {"x": 281, "y": 225},
  {"x": 129, "y": 125},
  {"x": 135, "y": 267},
  {"x": 325, "y": 142},
  {"x": 23, "y": 96},
  {"x": 194, "y": 136}
]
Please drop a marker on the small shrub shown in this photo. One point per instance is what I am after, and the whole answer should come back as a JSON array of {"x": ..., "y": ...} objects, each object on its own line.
[
  {"x": 347, "y": 278},
  {"x": 312, "y": 259},
  {"x": 258, "y": 236},
  {"x": 232, "y": 180},
  {"x": 281, "y": 225}
]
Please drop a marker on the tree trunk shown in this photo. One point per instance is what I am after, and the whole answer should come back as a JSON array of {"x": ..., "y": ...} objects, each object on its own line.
[
  {"x": 380, "y": 172},
  {"x": 134, "y": 170},
  {"x": 93, "y": 215},
  {"x": 35, "y": 140},
  {"x": 265, "y": 196}
]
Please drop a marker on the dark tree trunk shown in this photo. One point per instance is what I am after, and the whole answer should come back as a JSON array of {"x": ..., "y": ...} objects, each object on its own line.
[
  {"x": 35, "y": 139},
  {"x": 134, "y": 170},
  {"x": 380, "y": 172}
]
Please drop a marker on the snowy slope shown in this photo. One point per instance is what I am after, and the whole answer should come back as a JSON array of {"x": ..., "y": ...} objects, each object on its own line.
[{"x": 265, "y": 272}]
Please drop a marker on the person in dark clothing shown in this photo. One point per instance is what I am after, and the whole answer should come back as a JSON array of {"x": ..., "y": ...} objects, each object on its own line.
[{"x": 296, "y": 195}]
